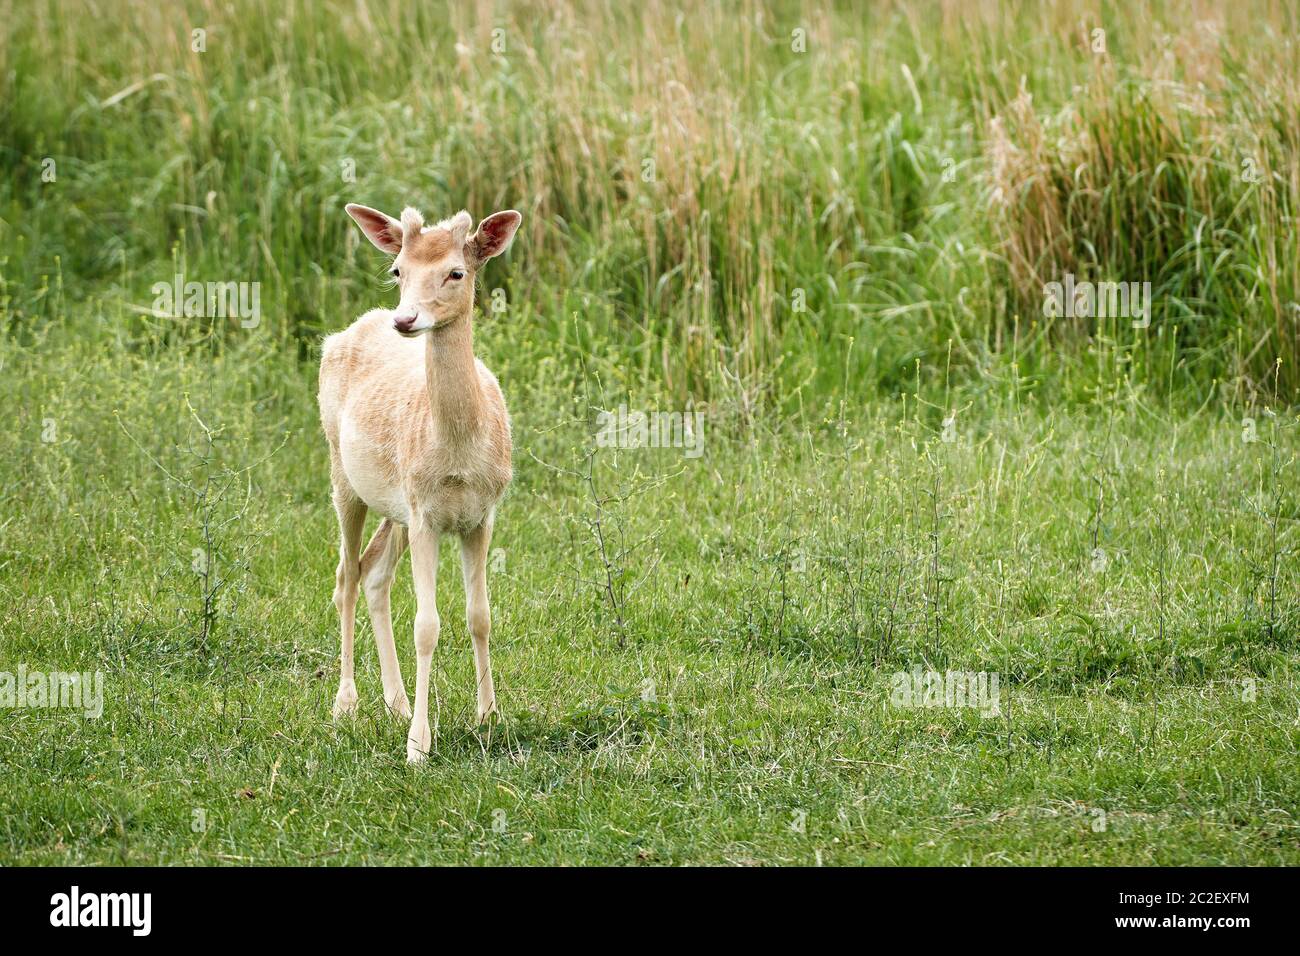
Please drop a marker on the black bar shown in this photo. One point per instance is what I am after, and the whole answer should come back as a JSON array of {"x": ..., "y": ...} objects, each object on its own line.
[{"x": 239, "y": 905}]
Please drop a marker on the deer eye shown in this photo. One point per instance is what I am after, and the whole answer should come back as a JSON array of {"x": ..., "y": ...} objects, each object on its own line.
[
  {"x": 456, "y": 274},
  {"x": 394, "y": 272}
]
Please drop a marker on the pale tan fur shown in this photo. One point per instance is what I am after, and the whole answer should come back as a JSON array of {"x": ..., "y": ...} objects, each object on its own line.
[{"x": 418, "y": 431}]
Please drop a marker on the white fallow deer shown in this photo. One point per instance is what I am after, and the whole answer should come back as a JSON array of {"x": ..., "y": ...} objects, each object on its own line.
[{"x": 418, "y": 431}]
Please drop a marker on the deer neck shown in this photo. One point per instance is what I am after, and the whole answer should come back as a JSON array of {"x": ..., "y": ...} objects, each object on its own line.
[{"x": 455, "y": 393}]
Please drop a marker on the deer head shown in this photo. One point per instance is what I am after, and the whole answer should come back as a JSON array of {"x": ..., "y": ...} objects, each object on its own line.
[{"x": 435, "y": 266}]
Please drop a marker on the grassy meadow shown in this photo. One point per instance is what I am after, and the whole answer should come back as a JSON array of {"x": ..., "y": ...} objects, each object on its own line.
[{"x": 828, "y": 230}]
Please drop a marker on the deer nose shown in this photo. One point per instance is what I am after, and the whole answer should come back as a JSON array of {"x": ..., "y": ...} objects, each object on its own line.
[{"x": 404, "y": 323}]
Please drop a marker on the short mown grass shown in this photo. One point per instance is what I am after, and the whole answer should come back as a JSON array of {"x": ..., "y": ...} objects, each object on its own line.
[{"x": 1113, "y": 565}]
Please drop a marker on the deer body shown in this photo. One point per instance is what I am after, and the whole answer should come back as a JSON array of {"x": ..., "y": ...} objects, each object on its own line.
[
  {"x": 410, "y": 433},
  {"x": 418, "y": 432}
]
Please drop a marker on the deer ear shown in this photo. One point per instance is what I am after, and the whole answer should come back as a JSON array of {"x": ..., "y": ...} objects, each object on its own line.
[
  {"x": 493, "y": 236},
  {"x": 384, "y": 231}
]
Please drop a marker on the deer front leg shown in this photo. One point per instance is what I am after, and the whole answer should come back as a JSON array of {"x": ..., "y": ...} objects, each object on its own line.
[
  {"x": 352, "y": 518},
  {"x": 424, "y": 567},
  {"x": 473, "y": 563}
]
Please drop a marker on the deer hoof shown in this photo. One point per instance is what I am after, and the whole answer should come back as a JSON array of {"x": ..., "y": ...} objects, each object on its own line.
[{"x": 345, "y": 702}]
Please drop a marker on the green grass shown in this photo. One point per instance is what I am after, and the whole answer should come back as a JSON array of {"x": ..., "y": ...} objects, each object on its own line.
[
  {"x": 700, "y": 205},
  {"x": 917, "y": 470},
  {"x": 770, "y": 588}
]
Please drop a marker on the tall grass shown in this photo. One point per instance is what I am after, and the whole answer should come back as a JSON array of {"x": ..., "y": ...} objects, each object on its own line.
[{"x": 706, "y": 207}]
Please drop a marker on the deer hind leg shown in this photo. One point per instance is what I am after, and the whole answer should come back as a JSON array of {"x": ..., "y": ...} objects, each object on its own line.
[
  {"x": 473, "y": 564},
  {"x": 352, "y": 519},
  {"x": 378, "y": 567},
  {"x": 424, "y": 568}
]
